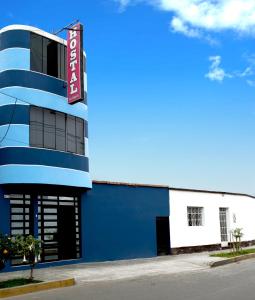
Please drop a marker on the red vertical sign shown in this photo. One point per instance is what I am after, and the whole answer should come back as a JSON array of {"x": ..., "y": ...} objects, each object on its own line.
[{"x": 75, "y": 76}]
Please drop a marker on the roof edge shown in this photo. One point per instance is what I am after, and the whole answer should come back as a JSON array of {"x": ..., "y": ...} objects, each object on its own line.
[
  {"x": 170, "y": 188},
  {"x": 129, "y": 184},
  {"x": 210, "y": 192},
  {"x": 35, "y": 30}
]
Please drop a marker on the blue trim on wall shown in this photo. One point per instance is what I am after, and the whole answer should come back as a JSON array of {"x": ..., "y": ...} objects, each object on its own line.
[
  {"x": 43, "y": 99},
  {"x": 18, "y": 135},
  {"x": 119, "y": 222},
  {"x": 15, "y": 38},
  {"x": 33, "y": 80},
  {"x": 14, "y": 58},
  {"x": 20, "y": 114},
  {"x": 44, "y": 157},
  {"x": 20, "y": 174}
]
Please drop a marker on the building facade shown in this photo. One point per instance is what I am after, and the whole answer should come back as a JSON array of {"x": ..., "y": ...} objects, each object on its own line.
[
  {"x": 45, "y": 184},
  {"x": 204, "y": 220},
  {"x": 44, "y": 169}
]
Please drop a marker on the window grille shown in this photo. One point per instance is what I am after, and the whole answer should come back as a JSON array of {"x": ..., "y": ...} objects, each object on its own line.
[
  {"x": 48, "y": 225},
  {"x": 195, "y": 216},
  {"x": 223, "y": 224},
  {"x": 21, "y": 218}
]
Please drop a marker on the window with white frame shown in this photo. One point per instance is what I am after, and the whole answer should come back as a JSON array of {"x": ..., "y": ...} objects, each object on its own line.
[{"x": 195, "y": 216}]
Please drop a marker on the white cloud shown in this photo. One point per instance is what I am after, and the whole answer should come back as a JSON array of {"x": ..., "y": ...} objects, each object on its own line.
[
  {"x": 178, "y": 26},
  {"x": 216, "y": 72},
  {"x": 192, "y": 16},
  {"x": 247, "y": 72}
]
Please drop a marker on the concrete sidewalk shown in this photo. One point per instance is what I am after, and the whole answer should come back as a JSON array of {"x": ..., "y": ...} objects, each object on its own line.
[{"x": 126, "y": 269}]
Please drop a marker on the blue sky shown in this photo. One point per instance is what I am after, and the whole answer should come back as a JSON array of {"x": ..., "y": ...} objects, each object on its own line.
[{"x": 171, "y": 87}]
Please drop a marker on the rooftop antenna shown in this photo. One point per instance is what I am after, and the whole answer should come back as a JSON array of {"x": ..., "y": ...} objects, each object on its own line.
[{"x": 67, "y": 27}]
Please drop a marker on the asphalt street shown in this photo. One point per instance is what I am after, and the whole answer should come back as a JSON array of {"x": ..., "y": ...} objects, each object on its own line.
[{"x": 231, "y": 282}]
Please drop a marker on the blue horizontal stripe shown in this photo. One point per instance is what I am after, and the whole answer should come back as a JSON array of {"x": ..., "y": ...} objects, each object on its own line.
[
  {"x": 33, "y": 80},
  {"x": 44, "y": 175},
  {"x": 44, "y": 157},
  {"x": 15, "y": 58},
  {"x": 16, "y": 114},
  {"x": 15, "y": 38},
  {"x": 43, "y": 99}
]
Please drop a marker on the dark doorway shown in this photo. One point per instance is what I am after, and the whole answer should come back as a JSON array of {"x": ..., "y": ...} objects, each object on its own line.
[
  {"x": 59, "y": 227},
  {"x": 163, "y": 236},
  {"x": 66, "y": 232}
]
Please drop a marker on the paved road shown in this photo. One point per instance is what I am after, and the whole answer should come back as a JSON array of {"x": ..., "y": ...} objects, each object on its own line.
[{"x": 231, "y": 282}]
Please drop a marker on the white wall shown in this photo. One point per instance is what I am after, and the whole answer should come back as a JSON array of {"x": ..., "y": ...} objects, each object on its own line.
[{"x": 183, "y": 235}]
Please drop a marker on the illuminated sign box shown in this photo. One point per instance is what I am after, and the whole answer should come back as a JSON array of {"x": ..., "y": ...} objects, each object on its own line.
[{"x": 75, "y": 72}]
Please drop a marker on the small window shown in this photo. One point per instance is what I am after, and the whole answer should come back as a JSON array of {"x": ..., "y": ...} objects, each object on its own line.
[{"x": 195, "y": 216}]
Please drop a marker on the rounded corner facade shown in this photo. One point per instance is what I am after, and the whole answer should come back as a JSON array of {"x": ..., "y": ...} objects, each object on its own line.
[{"x": 26, "y": 83}]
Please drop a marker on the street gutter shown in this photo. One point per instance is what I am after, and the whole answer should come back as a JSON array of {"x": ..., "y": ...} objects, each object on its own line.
[
  {"x": 36, "y": 287},
  {"x": 231, "y": 260}
]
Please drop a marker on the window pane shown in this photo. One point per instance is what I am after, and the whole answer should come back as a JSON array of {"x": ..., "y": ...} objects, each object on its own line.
[
  {"x": 59, "y": 60},
  {"x": 63, "y": 62},
  {"x": 45, "y": 55},
  {"x": 36, "y": 127},
  {"x": 195, "y": 216},
  {"x": 49, "y": 129},
  {"x": 71, "y": 143},
  {"x": 80, "y": 136},
  {"x": 60, "y": 132},
  {"x": 36, "y": 52}
]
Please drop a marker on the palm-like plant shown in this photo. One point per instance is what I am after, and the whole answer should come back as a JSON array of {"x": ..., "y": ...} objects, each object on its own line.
[{"x": 237, "y": 235}]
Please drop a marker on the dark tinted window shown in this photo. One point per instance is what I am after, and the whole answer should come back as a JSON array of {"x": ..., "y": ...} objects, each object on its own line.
[
  {"x": 49, "y": 130},
  {"x": 79, "y": 136},
  {"x": 47, "y": 56},
  {"x": 36, "y": 60},
  {"x": 36, "y": 127},
  {"x": 52, "y": 59},
  {"x": 71, "y": 137},
  {"x": 60, "y": 131},
  {"x": 44, "y": 57},
  {"x": 55, "y": 130}
]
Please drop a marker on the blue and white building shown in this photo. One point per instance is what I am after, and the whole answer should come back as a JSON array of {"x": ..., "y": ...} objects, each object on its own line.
[{"x": 45, "y": 184}]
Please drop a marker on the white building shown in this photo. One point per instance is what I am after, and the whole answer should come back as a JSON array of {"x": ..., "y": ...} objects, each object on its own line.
[{"x": 203, "y": 220}]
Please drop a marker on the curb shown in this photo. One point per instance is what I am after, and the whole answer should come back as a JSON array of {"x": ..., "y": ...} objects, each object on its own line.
[
  {"x": 36, "y": 287},
  {"x": 231, "y": 260}
]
